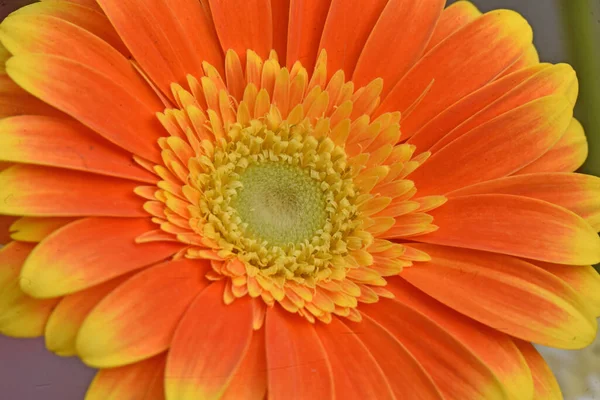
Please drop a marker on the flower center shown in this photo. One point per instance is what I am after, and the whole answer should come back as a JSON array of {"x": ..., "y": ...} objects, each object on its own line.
[{"x": 279, "y": 203}]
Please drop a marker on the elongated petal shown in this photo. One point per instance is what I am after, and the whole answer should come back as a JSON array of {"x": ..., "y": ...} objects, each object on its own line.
[
  {"x": 461, "y": 64},
  {"x": 92, "y": 98},
  {"x": 137, "y": 320},
  {"x": 307, "y": 18},
  {"x": 576, "y": 192},
  {"x": 546, "y": 386},
  {"x": 355, "y": 371},
  {"x": 452, "y": 19},
  {"x": 34, "y": 230},
  {"x": 517, "y": 226},
  {"x": 497, "y": 148},
  {"x": 294, "y": 349},
  {"x": 348, "y": 25},
  {"x": 16, "y": 101},
  {"x": 280, "y": 12},
  {"x": 169, "y": 39},
  {"x": 417, "y": 20},
  {"x": 143, "y": 380},
  {"x": 457, "y": 372},
  {"x": 243, "y": 25},
  {"x": 505, "y": 293},
  {"x": 60, "y": 142},
  {"x": 209, "y": 346},
  {"x": 66, "y": 319},
  {"x": 391, "y": 356},
  {"x": 495, "y": 349},
  {"x": 20, "y": 314},
  {"x": 250, "y": 380},
  {"x": 88, "y": 252},
  {"x": 41, "y": 191},
  {"x": 567, "y": 155},
  {"x": 5, "y": 223}
]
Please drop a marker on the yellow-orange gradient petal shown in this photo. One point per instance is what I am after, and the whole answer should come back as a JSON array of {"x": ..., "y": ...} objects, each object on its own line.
[
  {"x": 250, "y": 380},
  {"x": 452, "y": 19},
  {"x": 546, "y": 386},
  {"x": 88, "y": 252},
  {"x": 137, "y": 319},
  {"x": 507, "y": 294},
  {"x": 209, "y": 346},
  {"x": 43, "y": 191},
  {"x": 515, "y": 225},
  {"x": 294, "y": 349},
  {"x": 35, "y": 229},
  {"x": 307, "y": 18},
  {"x": 6, "y": 222},
  {"x": 143, "y": 381},
  {"x": 20, "y": 314}
]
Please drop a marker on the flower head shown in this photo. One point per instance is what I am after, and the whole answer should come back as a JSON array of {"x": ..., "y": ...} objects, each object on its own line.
[{"x": 251, "y": 199}]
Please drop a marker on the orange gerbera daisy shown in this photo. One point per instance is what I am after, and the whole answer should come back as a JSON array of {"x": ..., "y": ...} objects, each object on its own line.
[{"x": 213, "y": 199}]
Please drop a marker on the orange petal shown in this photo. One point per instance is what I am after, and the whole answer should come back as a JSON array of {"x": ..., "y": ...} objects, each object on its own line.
[
  {"x": 137, "y": 320},
  {"x": 517, "y": 226},
  {"x": 88, "y": 252},
  {"x": 417, "y": 19},
  {"x": 497, "y": 148},
  {"x": 465, "y": 109},
  {"x": 16, "y": 101},
  {"x": 508, "y": 294},
  {"x": 546, "y": 386},
  {"x": 452, "y": 19},
  {"x": 209, "y": 346},
  {"x": 391, "y": 356},
  {"x": 567, "y": 155},
  {"x": 307, "y": 18},
  {"x": 575, "y": 192},
  {"x": 41, "y": 191},
  {"x": 169, "y": 39},
  {"x": 92, "y": 98},
  {"x": 347, "y": 27},
  {"x": 495, "y": 349},
  {"x": 280, "y": 10},
  {"x": 461, "y": 64},
  {"x": 20, "y": 315},
  {"x": 456, "y": 371},
  {"x": 143, "y": 380},
  {"x": 250, "y": 381},
  {"x": 529, "y": 57},
  {"x": 33, "y": 229},
  {"x": 355, "y": 371},
  {"x": 60, "y": 142},
  {"x": 66, "y": 319},
  {"x": 297, "y": 363},
  {"x": 243, "y": 25},
  {"x": 5, "y": 223}
]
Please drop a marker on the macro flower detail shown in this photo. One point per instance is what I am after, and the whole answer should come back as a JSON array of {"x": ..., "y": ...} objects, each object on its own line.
[{"x": 256, "y": 199}]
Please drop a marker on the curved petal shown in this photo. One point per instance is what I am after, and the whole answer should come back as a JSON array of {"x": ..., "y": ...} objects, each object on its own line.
[
  {"x": 137, "y": 320},
  {"x": 355, "y": 372},
  {"x": 66, "y": 319},
  {"x": 567, "y": 155},
  {"x": 143, "y": 380},
  {"x": 6, "y": 222},
  {"x": 413, "y": 382},
  {"x": 88, "y": 252},
  {"x": 34, "y": 230},
  {"x": 452, "y": 19},
  {"x": 496, "y": 350},
  {"x": 250, "y": 380},
  {"x": 307, "y": 19},
  {"x": 92, "y": 98},
  {"x": 20, "y": 315},
  {"x": 169, "y": 39},
  {"x": 496, "y": 148},
  {"x": 209, "y": 345},
  {"x": 298, "y": 366},
  {"x": 280, "y": 12},
  {"x": 243, "y": 25},
  {"x": 61, "y": 142},
  {"x": 529, "y": 57},
  {"x": 400, "y": 35},
  {"x": 42, "y": 191},
  {"x": 546, "y": 386},
  {"x": 498, "y": 223},
  {"x": 578, "y": 193},
  {"x": 507, "y": 294},
  {"x": 461, "y": 64},
  {"x": 457, "y": 372},
  {"x": 347, "y": 27},
  {"x": 16, "y": 101}
]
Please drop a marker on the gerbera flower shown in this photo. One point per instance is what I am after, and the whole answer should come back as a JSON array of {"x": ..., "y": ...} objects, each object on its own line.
[{"x": 294, "y": 199}]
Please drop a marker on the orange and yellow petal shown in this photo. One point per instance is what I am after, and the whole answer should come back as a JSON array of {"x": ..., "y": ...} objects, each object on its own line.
[
  {"x": 35, "y": 229},
  {"x": 137, "y": 319},
  {"x": 6, "y": 222},
  {"x": 454, "y": 17},
  {"x": 546, "y": 386}
]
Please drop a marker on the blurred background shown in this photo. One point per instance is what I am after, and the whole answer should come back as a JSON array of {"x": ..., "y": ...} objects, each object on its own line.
[{"x": 564, "y": 31}]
